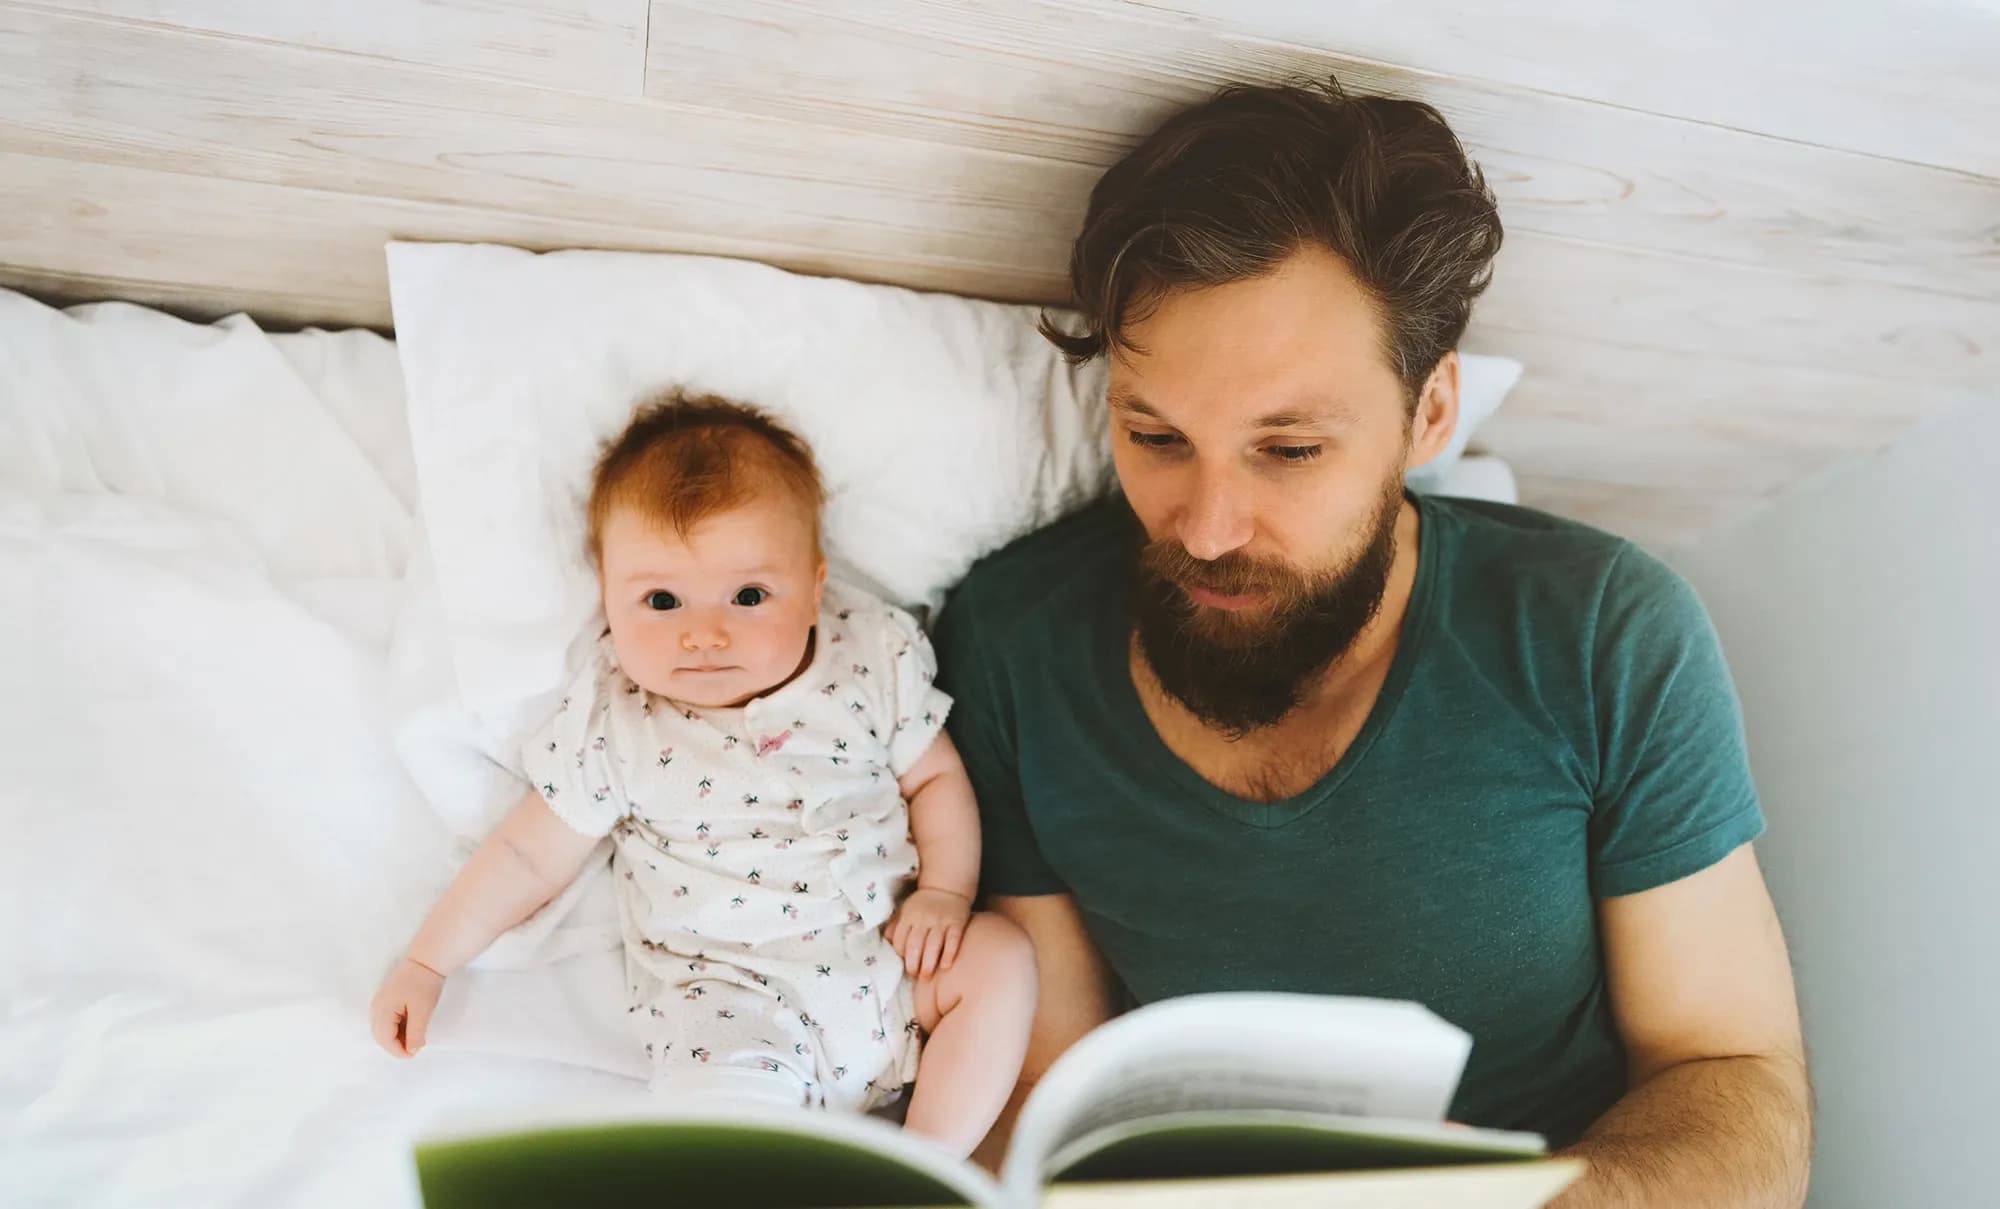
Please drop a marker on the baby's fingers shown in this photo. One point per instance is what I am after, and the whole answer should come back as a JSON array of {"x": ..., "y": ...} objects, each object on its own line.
[
  {"x": 933, "y": 950},
  {"x": 913, "y": 949},
  {"x": 416, "y": 1026},
  {"x": 385, "y": 1019},
  {"x": 953, "y": 937}
]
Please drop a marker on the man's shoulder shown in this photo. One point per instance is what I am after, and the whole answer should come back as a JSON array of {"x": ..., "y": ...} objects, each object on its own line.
[
  {"x": 1081, "y": 553},
  {"x": 1039, "y": 584},
  {"x": 1489, "y": 541},
  {"x": 1559, "y": 572}
]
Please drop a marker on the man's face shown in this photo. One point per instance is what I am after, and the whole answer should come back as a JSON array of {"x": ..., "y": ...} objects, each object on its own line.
[{"x": 1261, "y": 436}]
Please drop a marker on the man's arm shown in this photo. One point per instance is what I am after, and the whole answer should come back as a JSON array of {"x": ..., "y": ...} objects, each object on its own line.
[
  {"x": 1077, "y": 993},
  {"x": 1719, "y": 1111}
]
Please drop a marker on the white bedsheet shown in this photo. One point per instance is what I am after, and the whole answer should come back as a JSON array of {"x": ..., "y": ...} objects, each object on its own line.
[{"x": 212, "y": 841}]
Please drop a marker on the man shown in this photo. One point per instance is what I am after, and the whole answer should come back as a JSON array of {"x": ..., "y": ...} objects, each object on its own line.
[{"x": 1267, "y": 722}]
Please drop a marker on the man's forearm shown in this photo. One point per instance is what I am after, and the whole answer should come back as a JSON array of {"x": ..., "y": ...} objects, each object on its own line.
[{"x": 1730, "y": 1133}]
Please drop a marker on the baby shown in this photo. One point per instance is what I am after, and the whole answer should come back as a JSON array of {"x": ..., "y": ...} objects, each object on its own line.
[{"x": 765, "y": 749}]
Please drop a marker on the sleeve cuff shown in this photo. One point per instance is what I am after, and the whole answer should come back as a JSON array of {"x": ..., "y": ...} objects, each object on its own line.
[{"x": 1636, "y": 875}]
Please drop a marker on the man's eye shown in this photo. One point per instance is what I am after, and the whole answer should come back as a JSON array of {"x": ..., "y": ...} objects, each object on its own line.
[
  {"x": 662, "y": 601},
  {"x": 750, "y": 598},
  {"x": 1295, "y": 453},
  {"x": 1152, "y": 440}
]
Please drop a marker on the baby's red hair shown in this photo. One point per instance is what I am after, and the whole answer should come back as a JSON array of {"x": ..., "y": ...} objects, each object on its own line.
[{"x": 685, "y": 457}]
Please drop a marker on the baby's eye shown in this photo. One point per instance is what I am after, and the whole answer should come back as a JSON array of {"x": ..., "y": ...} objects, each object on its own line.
[
  {"x": 662, "y": 601},
  {"x": 750, "y": 598}
]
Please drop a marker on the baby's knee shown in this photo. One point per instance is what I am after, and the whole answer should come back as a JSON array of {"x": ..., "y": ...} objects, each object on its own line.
[{"x": 999, "y": 945}]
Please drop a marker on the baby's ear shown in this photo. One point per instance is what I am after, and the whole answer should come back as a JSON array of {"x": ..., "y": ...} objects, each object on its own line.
[{"x": 819, "y": 585}]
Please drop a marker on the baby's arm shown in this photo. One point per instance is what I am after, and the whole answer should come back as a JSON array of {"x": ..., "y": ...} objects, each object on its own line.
[
  {"x": 521, "y": 866},
  {"x": 944, "y": 823}
]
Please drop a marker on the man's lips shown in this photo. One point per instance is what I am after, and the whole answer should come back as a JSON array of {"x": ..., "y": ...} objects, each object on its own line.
[{"x": 1222, "y": 600}]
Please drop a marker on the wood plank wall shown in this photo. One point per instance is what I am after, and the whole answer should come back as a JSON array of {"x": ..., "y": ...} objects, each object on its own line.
[{"x": 1744, "y": 242}]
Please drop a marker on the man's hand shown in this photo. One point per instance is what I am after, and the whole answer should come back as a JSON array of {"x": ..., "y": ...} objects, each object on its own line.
[
  {"x": 401, "y": 1012},
  {"x": 928, "y": 928}
]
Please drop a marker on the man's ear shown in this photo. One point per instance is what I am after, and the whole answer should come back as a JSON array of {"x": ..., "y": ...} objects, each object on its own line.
[{"x": 1436, "y": 420}]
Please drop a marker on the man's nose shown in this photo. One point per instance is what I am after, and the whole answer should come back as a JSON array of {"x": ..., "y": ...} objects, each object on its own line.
[{"x": 1217, "y": 518}]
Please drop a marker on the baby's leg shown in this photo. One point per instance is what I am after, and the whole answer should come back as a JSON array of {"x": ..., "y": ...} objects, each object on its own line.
[{"x": 977, "y": 1014}]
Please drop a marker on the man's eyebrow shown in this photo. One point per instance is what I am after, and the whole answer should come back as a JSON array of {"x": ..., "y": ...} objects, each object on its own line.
[
  {"x": 1124, "y": 400},
  {"x": 1327, "y": 415}
]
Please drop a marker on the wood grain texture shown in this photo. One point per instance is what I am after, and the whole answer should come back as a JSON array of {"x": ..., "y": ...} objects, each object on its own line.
[
  {"x": 1708, "y": 314},
  {"x": 593, "y": 46},
  {"x": 116, "y": 94},
  {"x": 1910, "y": 81},
  {"x": 1083, "y": 82},
  {"x": 284, "y": 116},
  {"x": 207, "y": 246}
]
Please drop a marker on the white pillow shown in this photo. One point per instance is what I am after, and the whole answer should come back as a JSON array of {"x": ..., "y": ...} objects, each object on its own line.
[
  {"x": 944, "y": 426},
  {"x": 1483, "y": 383}
]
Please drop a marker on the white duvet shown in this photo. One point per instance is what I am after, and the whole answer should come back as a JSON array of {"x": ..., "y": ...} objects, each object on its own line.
[{"x": 211, "y": 844}]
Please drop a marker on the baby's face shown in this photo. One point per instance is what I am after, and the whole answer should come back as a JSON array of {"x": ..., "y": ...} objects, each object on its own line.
[{"x": 719, "y": 617}]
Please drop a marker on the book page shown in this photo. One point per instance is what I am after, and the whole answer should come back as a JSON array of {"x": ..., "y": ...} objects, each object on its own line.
[
  {"x": 1269, "y": 1141},
  {"x": 1314, "y": 1053},
  {"x": 1509, "y": 1186}
]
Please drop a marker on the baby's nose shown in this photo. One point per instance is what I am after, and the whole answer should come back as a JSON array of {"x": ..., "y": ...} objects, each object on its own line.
[{"x": 705, "y": 638}]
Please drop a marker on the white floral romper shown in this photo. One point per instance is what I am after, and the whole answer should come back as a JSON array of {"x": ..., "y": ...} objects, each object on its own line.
[{"x": 758, "y": 852}]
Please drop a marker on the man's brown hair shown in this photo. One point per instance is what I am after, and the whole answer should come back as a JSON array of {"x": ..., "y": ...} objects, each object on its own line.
[
  {"x": 1228, "y": 189},
  {"x": 687, "y": 457}
]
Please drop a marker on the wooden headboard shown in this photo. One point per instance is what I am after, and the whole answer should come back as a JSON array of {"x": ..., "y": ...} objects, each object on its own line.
[{"x": 1744, "y": 242}]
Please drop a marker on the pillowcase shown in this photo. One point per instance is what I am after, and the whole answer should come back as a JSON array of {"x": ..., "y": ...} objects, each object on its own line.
[
  {"x": 1483, "y": 383},
  {"x": 944, "y": 427}
]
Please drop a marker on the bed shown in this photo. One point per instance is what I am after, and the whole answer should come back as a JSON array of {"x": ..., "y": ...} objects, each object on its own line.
[
  {"x": 249, "y": 729},
  {"x": 245, "y": 749}
]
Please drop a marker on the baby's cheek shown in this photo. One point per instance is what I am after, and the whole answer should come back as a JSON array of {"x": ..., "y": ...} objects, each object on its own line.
[
  {"x": 645, "y": 654},
  {"x": 777, "y": 655}
]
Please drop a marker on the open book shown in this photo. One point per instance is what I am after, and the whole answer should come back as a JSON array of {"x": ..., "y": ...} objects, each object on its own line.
[{"x": 1266, "y": 1099}]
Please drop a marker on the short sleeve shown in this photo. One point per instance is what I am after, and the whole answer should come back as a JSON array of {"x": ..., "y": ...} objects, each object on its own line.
[
  {"x": 570, "y": 761},
  {"x": 1674, "y": 792},
  {"x": 1011, "y": 862},
  {"x": 916, "y": 707}
]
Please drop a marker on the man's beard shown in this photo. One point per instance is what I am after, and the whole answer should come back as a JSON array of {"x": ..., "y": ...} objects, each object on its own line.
[{"x": 1242, "y": 673}]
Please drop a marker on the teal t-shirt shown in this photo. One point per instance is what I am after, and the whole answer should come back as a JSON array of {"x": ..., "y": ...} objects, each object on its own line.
[{"x": 1556, "y": 726}]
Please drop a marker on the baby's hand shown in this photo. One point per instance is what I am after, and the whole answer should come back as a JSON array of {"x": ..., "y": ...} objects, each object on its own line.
[
  {"x": 927, "y": 929},
  {"x": 401, "y": 1012}
]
